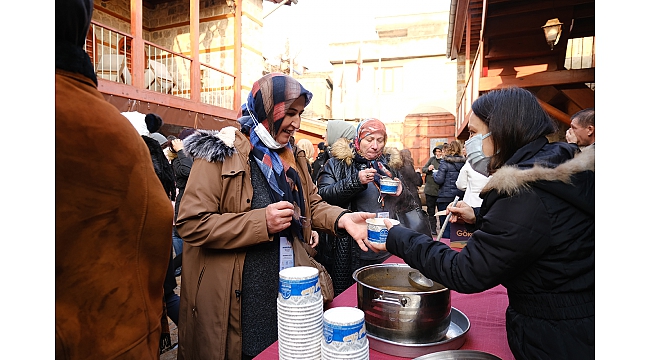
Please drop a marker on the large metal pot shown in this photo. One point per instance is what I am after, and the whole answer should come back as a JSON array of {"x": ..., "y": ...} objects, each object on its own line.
[{"x": 396, "y": 311}]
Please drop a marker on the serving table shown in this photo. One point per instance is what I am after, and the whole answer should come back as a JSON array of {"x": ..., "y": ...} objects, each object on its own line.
[{"x": 485, "y": 311}]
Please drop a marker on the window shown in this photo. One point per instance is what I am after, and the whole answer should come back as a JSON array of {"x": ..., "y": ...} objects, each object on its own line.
[{"x": 389, "y": 79}]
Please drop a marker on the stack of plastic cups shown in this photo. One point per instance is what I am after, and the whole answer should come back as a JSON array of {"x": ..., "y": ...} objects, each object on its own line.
[
  {"x": 300, "y": 313},
  {"x": 344, "y": 334}
]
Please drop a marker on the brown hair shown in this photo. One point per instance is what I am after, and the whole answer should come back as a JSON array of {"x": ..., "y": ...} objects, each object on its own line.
[
  {"x": 454, "y": 148},
  {"x": 407, "y": 159}
]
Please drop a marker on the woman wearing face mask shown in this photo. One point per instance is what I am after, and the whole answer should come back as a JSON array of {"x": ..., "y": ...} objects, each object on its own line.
[
  {"x": 351, "y": 179},
  {"x": 244, "y": 198},
  {"x": 534, "y": 232}
]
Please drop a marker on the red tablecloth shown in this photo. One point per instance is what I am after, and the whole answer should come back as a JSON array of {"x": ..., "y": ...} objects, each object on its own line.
[{"x": 486, "y": 313}]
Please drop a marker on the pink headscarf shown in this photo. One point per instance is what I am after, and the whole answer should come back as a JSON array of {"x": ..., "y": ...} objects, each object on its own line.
[{"x": 367, "y": 127}]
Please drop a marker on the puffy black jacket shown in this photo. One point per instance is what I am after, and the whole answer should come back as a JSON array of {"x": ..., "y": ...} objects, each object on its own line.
[
  {"x": 338, "y": 184},
  {"x": 318, "y": 164},
  {"x": 534, "y": 234},
  {"x": 446, "y": 177},
  {"x": 182, "y": 166}
]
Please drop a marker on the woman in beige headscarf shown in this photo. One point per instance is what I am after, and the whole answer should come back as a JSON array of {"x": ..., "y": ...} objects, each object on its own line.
[{"x": 306, "y": 146}]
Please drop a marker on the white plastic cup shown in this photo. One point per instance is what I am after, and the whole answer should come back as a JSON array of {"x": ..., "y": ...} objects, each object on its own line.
[
  {"x": 377, "y": 231},
  {"x": 344, "y": 330},
  {"x": 388, "y": 185},
  {"x": 299, "y": 285}
]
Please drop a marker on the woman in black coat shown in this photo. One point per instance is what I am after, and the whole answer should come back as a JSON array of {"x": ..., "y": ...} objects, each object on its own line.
[
  {"x": 411, "y": 178},
  {"x": 446, "y": 177},
  {"x": 534, "y": 232},
  {"x": 351, "y": 179}
]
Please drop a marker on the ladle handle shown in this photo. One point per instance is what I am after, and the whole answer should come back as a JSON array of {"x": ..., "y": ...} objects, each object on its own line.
[{"x": 444, "y": 225}]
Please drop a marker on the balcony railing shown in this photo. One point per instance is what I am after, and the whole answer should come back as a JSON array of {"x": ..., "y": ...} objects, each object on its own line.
[
  {"x": 164, "y": 71},
  {"x": 216, "y": 87}
]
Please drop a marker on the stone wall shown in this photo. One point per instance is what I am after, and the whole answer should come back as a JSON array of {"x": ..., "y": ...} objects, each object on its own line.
[{"x": 115, "y": 14}]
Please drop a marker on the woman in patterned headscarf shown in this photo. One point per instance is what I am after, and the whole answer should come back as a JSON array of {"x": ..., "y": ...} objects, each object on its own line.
[
  {"x": 246, "y": 195},
  {"x": 350, "y": 179}
]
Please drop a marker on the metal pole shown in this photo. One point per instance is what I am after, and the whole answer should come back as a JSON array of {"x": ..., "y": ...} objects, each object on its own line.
[{"x": 275, "y": 8}]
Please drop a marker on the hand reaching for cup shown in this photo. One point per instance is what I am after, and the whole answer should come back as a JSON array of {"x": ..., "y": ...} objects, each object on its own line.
[
  {"x": 355, "y": 224},
  {"x": 377, "y": 247}
]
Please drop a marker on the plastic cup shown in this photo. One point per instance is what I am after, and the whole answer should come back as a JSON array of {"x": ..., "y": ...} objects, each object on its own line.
[
  {"x": 377, "y": 231},
  {"x": 388, "y": 185}
]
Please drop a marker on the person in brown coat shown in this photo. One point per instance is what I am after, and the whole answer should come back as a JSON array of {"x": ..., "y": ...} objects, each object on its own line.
[
  {"x": 113, "y": 219},
  {"x": 246, "y": 192}
]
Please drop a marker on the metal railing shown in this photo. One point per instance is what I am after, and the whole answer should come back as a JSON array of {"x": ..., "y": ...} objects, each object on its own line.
[
  {"x": 217, "y": 87},
  {"x": 165, "y": 71},
  {"x": 110, "y": 52}
]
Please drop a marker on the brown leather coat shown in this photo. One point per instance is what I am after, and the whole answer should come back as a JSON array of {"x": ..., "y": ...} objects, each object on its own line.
[
  {"x": 113, "y": 230},
  {"x": 216, "y": 223}
]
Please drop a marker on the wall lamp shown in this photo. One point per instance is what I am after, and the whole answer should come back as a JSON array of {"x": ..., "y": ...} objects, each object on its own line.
[{"x": 552, "y": 31}]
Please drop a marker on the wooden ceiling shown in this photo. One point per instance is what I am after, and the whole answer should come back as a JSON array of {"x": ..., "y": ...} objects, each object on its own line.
[
  {"x": 513, "y": 28},
  {"x": 150, "y": 4},
  {"x": 513, "y": 40}
]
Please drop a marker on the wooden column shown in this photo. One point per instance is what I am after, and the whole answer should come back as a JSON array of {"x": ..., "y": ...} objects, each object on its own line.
[
  {"x": 237, "y": 57},
  {"x": 468, "y": 46},
  {"x": 137, "y": 47},
  {"x": 195, "y": 69}
]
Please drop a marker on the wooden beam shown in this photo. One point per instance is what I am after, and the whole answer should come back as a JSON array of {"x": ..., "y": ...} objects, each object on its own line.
[
  {"x": 237, "y": 58},
  {"x": 539, "y": 79},
  {"x": 462, "y": 7},
  {"x": 536, "y": 6},
  {"x": 137, "y": 45},
  {"x": 555, "y": 113},
  {"x": 468, "y": 40},
  {"x": 113, "y": 88},
  {"x": 195, "y": 66},
  {"x": 584, "y": 98}
]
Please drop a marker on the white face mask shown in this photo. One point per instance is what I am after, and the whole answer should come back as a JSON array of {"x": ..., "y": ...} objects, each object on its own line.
[
  {"x": 475, "y": 156},
  {"x": 266, "y": 138},
  {"x": 263, "y": 134}
]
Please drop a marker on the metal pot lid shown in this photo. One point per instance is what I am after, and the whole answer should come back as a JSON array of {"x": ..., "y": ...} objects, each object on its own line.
[{"x": 459, "y": 355}]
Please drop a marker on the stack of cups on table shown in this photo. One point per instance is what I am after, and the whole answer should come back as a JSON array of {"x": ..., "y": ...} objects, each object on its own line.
[
  {"x": 344, "y": 334},
  {"x": 300, "y": 313}
]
